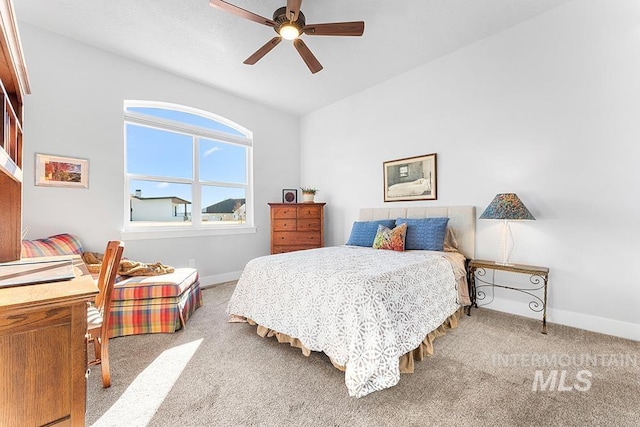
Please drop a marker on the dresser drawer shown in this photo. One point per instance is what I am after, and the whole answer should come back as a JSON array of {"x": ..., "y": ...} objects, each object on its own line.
[
  {"x": 285, "y": 225},
  {"x": 296, "y": 238},
  {"x": 311, "y": 224},
  {"x": 309, "y": 211},
  {"x": 284, "y": 249},
  {"x": 283, "y": 212}
]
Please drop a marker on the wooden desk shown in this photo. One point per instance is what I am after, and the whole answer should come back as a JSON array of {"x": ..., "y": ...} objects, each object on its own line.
[{"x": 43, "y": 350}]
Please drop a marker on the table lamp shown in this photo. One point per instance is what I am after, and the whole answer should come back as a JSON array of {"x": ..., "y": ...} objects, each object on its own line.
[{"x": 506, "y": 206}]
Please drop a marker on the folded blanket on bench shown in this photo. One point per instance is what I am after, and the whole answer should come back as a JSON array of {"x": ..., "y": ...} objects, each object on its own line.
[{"x": 93, "y": 260}]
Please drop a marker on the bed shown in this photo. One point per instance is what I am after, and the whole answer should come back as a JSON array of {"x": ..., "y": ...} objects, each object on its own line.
[{"x": 372, "y": 312}]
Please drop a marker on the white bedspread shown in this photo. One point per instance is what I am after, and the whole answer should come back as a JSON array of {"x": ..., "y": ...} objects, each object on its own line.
[{"x": 363, "y": 307}]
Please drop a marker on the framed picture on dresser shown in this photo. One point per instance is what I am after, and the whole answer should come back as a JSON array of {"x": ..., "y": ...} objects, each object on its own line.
[{"x": 290, "y": 195}]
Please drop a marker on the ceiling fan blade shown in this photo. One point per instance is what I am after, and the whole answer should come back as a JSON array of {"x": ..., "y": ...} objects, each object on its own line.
[
  {"x": 238, "y": 11},
  {"x": 293, "y": 8},
  {"x": 307, "y": 56},
  {"x": 355, "y": 28},
  {"x": 263, "y": 51}
]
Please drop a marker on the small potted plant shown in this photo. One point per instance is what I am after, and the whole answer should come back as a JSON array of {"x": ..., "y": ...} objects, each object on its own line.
[{"x": 308, "y": 193}]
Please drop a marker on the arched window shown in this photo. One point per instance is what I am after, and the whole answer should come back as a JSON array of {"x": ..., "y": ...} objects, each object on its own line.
[{"x": 185, "y": 169}]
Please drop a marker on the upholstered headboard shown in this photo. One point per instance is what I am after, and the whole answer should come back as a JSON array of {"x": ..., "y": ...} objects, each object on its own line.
[{"x": 462, "y": 220}]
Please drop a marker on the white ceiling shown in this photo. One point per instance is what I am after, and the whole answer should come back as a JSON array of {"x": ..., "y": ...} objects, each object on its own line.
[{"x": 194, "y": 40}]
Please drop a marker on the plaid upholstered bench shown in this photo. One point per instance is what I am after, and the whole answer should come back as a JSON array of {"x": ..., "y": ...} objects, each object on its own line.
[
  {"x": 150, "y": 304},
  {"x": 140, "y": 304}
]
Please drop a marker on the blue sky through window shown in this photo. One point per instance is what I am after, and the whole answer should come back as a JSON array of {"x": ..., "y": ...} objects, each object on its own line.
[
  {"x": 153, "y": 152},
  {"x": 222, "y": 162},
  {"x": 182, "y": 117},
  {"x": 159, "y": 153}
]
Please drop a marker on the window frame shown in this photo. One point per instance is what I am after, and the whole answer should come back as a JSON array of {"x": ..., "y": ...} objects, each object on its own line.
[{"x": 133, "y": 231}]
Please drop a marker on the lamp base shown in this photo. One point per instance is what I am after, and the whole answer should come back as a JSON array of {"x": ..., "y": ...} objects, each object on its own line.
[{"x": 506, "y": 240}]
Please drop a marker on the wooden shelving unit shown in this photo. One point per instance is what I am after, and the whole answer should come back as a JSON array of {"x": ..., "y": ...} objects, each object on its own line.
[{"x": 14, "y": 85}]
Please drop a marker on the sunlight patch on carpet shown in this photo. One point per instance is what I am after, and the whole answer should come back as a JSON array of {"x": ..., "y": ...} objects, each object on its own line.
[{"x": 140, "y": 401}]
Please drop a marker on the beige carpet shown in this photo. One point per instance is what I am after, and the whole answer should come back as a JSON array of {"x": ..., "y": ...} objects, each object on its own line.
[{"x": 482, "y": 373}]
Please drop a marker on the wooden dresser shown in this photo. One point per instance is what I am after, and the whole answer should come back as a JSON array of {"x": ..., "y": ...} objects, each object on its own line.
[
  {"x": 296, "y": 226},
  {"x": 43, "y": 351}
]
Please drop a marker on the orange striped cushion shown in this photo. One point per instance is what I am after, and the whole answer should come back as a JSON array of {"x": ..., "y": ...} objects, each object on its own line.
[{"x": 60, "y": 244}]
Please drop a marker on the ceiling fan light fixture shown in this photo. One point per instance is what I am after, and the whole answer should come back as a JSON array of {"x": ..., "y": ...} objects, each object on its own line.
[
  {"x": 289, "y": 32},
  {"x": 289, "y": 23}
]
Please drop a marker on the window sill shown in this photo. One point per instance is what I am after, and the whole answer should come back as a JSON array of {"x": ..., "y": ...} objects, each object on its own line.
[{"x": 148, "y": 234}]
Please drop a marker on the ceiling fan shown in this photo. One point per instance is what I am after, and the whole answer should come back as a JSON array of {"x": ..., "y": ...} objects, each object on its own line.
[{"x": 289, "y": 22}]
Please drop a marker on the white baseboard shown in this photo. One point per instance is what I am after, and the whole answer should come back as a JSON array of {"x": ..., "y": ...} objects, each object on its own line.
[
  {"x": 209, "y": 281},
  {"x": 587, "y": 322}
]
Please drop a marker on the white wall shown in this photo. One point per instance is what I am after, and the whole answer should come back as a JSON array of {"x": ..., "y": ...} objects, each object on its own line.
[
  {"x": 547, "y": 109},
  {"x": 76, "y": 109}
]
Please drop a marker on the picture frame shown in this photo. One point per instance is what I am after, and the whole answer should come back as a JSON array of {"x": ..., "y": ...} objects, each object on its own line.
[
  {"x": 411, "y": 178},
  {"x": 59, "y": 171},
  {"x": 290, "y": 195}
]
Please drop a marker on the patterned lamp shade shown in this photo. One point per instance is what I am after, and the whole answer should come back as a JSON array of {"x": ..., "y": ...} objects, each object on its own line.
[{"x": 506, "y": 206}]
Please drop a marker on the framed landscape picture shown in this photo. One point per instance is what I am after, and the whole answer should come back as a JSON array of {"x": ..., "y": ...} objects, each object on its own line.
[
  {"x": 57, "y": 171},
  {"x": 413, "y": 178}
]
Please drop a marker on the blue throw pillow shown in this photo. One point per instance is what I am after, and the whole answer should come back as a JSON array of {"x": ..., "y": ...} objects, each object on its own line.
[
  {"x": 425, "y": 234},
  {"x": 363, "y": 232}
]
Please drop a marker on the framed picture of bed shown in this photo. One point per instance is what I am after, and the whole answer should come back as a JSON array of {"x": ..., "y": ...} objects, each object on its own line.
[{"x": 412, "y": 178}]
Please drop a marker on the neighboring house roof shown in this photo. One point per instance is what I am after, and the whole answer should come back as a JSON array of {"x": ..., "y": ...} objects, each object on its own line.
[
  {"x": 225, "y": 206},
  {"x": 173, "y": 199}
]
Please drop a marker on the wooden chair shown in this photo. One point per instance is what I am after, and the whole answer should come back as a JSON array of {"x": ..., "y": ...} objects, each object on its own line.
[{"x": 98, "y": 313}]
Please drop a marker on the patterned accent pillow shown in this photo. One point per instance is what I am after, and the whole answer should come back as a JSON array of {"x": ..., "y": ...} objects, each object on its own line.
[
  {"x": 60, "y": 244},
  {"x": 363, "y": 232},
  {"x": 425, "y": 234},
  {"x": 390, "y": 239}
]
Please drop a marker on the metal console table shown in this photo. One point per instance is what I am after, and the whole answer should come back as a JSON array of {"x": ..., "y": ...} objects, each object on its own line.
[{"x": 538, "y": 276}]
